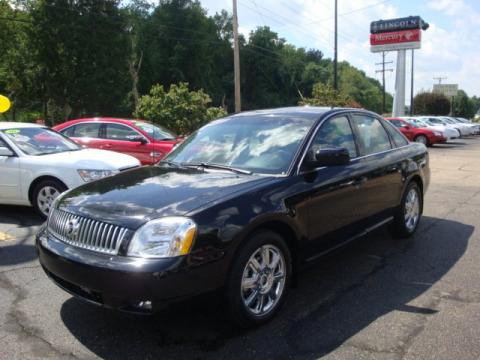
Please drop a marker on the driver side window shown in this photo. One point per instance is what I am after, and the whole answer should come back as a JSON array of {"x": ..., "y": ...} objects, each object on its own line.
[{"x": 336, "y": 133}]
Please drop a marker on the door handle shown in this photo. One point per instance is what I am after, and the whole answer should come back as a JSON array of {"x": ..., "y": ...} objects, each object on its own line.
[
  {"x": 358, "y": 181},
  {"x": 107, "y": 145}
]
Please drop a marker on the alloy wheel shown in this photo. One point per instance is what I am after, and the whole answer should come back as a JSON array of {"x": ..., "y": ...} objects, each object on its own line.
[
  {"x": 45, "y": 198},
  {"x": 412, "y": 209},
  {"x": 263, "y": 280},
  {"x": 421, "y": 139}
]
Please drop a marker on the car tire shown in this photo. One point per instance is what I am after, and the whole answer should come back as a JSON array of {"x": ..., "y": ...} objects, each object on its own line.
[
  {"x": 422, "y": 139},
  {"x": 43, "y": 195},
  {"x": 409, "y": 213},
  {"x": 259, "y": 279}
]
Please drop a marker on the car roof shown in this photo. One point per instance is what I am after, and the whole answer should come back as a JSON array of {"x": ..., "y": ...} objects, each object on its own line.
[
  {"x": 313, "y": 110},
  {"x": 106, "y": 119},
  {"x": 5, "y": 125}
]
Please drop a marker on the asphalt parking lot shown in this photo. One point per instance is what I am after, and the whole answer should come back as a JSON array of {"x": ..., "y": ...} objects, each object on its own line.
[{"x": 379, "y": 298}]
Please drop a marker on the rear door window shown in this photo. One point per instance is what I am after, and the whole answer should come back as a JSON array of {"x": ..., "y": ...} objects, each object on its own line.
[
  {"x": 372, "y": 135},
  {"x": 396, "y": 135},
  {"x": 85, "y": 130},
  {"x": 120, "y": 132}
]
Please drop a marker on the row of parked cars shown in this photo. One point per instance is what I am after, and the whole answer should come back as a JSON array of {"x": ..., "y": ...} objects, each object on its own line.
[
  {"x": 430, "y": 130},
  {"x": 239, "y": 206},
  {"x": 29, "y": 179}
]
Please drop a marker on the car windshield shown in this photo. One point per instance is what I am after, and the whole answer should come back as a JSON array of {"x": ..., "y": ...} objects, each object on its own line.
[
  {"x": 438, "y": 121},
  {"x": 449, "y": 121},
  {"x": 427, "y": 122},
  {"x": 258, "y": 143},
  {"x": 155, "y": 131},
  {"x": 40, "y": 141}
]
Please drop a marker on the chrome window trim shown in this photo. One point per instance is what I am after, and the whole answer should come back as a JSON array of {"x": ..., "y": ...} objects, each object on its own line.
[
  {"x": 347, "y": 113},
  {"x": 312, "y": 136},
  {"x": 80, "y": 123},
  {"x": 128, "y": 126},
  {"x": 102, "y": 123}
]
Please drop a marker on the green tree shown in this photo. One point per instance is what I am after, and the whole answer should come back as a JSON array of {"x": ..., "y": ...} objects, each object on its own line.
[
  {"x": 427, "y": 103},
  {"x": 325, "y": 95},
  {"x": 181, "y": 43},
  {"x": 81, "y": 48},
  {"x": 463, "y": 106},
  {"x": 18, "y": 70},
  {"x": 178, "y": 109}
]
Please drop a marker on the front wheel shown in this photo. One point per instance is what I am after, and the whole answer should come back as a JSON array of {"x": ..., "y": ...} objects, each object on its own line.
[
  {"x": 422, "y": 139},
  {"x": 409, "y": 212},
  {"x": 44, "y": 194},
  {"x": 259, "y": 280}
]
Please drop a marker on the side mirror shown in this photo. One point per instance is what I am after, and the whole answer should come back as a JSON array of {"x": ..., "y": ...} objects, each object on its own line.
[
  {"x": 4, "y": 151},
  {"x": 407, "y": 127},
  {"x": 138, "y": 138},
  {"x": 327, "y": 157}
]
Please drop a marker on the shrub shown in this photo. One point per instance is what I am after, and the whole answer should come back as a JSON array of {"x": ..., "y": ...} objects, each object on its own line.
[{"x": 179, "y": 109}]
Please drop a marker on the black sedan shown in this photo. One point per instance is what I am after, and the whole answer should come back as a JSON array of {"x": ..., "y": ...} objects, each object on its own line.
[{"x": 241, "y": 205}]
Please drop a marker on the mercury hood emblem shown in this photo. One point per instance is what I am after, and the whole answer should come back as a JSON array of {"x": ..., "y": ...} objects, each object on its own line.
[{"x": 73, "y": 226}]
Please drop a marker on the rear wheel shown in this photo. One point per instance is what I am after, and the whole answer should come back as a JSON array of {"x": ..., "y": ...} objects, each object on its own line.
[
  {"x": 409, "y": 212},
  {"x": 422, "y": 139},
  {"x": 259, "y": 280},
  {"x": 44, "y": 194}
]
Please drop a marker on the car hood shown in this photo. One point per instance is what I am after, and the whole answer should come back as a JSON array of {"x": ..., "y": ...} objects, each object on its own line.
[
  {"x": 134, "y": 197},
  {"x": 92, "y": 159}
]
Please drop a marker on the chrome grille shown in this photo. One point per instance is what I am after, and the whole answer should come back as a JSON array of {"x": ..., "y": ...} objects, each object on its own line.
[{"x": 86, "y": 233}]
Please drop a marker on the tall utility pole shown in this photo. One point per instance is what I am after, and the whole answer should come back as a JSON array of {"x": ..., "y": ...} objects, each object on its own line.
[
  {"x": 383, "y": 70},
  {"x": 335, "y": 51},
  {"x": 440, "y": 79},
  {"x": 411, "y": 83},
  {"x": 236, "y": 59}
]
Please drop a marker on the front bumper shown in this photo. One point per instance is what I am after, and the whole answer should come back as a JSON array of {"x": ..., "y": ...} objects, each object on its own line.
[
  {"x": 437, "y": 139},
  {"x": 124, "y": 283}
]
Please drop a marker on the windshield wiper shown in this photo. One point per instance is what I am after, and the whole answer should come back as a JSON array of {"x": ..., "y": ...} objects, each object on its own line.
[{"x": 219, "y": 167}]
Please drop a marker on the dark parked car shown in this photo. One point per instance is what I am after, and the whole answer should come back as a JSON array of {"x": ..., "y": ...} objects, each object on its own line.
[{"x": 241, "y": 205}]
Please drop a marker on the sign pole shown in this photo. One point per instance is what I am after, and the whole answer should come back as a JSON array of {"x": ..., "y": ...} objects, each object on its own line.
[
  {"x": 335, "y": 50},
  {"x": 399, "y": 98},
  {"x": 236, "y": 59},
  {"x": 411, "y": 83}
]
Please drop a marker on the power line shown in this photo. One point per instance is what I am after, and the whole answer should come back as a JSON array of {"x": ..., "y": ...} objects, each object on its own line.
[
  {"x": 383, "y": 70},
  {"x": 285, "y": 22},
  {"x": 351, "y": 11}
]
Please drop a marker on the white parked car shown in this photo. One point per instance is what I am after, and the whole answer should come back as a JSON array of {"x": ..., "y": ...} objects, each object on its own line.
[
  {"x": 37, "y": 164},
  {"x": 464, "y": 129},
  {"x": 475, "y": 127},
  {"x": 448, "y": 132}
]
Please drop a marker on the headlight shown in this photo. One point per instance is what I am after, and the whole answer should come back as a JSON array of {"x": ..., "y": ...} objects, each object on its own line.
[
  {"x": 90, "y": 175},
  {"x": 438, "y": 133},
  {"x": 164, "y": 237}
]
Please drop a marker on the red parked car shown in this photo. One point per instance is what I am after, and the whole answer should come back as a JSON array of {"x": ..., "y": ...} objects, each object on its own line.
[
  {"x": 418, "y": 134},
  {"x": 147, "y": 142}
]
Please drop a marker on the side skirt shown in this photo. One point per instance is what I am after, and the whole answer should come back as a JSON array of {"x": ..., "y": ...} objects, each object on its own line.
[{"x": 359, "y": 235}]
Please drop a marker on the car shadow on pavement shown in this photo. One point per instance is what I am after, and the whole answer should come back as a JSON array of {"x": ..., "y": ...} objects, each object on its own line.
[
  {"x": 336, "y": 299},
  {"x": 18, "y": 224},
  {"x": 450, "y": 144}
]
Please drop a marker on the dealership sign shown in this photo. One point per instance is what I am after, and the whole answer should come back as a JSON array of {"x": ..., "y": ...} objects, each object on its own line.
[
  {"x": 396, "y": 40},
  {"x": 408, "y": 23},
  {"x": 397, "y": 34},
  {"x": 448, "y": 90}
]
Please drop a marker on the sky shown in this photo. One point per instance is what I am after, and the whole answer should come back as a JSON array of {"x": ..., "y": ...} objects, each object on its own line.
[{"x": 450, "y": 47}]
